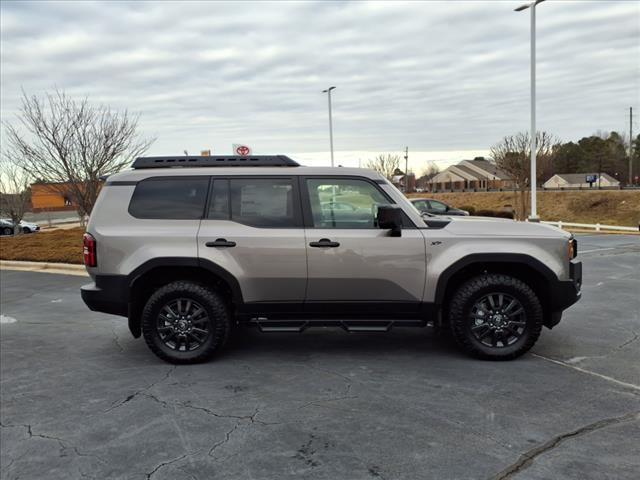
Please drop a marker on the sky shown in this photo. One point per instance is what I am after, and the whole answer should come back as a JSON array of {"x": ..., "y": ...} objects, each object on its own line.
[{"x": 448, "y": 79}]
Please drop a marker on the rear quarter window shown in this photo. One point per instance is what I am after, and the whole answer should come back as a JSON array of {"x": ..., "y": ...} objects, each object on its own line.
[{"x": 174, "y": 198}]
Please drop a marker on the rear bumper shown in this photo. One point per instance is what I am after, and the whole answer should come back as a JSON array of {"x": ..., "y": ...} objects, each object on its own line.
[
  {"x": 109, "y": 294},
  {"x": 565, "y": 293}
]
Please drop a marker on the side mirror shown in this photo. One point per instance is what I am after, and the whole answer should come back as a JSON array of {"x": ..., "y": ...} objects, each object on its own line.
[{"x": 389, "y": 217}]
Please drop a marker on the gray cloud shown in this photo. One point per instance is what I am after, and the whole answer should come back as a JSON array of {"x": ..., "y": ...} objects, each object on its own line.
[{"x": 432, "y": 75}]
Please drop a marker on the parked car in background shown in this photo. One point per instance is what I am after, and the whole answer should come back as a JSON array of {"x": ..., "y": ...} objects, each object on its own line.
[
  {"x": 7, "y": 227},
  {"x": 435, "y": 207},
  {"x": 29, "y": 227}
]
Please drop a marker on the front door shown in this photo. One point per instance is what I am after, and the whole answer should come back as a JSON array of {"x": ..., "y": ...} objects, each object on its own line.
[
  {"x": 350, "y": 259},
  {"x": 253, "y": 229}
]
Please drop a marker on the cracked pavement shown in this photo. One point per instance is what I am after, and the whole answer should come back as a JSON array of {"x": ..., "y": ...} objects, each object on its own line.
[{"x": 81, "y": 398}]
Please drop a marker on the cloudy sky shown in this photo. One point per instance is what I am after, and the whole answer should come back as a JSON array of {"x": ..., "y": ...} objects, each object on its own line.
[{"x": 448, "y": 79}]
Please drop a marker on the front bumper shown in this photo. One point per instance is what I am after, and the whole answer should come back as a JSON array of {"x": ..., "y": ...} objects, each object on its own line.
[{"x": 565, "y": 293}]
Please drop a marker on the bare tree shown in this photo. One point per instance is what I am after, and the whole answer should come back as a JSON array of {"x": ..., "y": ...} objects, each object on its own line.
[
  {"x": 385, "y": 164},
  {"x": 513, "y": 155},
  {"x": 431, "y": 169},
  {"x": 15, "y": 193},
  {"x": 72, "y": 144}
]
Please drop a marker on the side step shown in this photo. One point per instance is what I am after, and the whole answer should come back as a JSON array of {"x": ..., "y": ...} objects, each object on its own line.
[{"x": 352, "y": 326}]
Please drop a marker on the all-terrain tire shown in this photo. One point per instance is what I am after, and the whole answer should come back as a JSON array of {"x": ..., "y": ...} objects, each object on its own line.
[
  {"x": 461, "y": 321},
  {"x": 216, "y": 310}
]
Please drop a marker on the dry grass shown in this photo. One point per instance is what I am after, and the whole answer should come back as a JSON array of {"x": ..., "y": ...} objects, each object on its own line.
[
  {"x": 608, "y": 207},
  {"x": 60, "y": 245}
]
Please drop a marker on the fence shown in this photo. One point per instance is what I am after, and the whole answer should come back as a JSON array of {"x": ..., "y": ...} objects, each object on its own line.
[{"x": 598, "y": 227}]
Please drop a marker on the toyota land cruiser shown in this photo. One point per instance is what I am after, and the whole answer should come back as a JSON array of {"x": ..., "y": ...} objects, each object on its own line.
[{"x": 188, "y": 247}]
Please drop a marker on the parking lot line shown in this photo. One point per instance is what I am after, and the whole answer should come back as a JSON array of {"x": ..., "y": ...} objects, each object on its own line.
[{"x": 589, "y": 372}]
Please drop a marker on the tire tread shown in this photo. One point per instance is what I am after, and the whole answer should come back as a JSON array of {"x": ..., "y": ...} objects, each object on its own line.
[
  {"x": 214, "y": 303},
  {"x": 465, "y": 294}
]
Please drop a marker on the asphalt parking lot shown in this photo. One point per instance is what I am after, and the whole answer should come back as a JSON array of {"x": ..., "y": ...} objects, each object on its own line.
[{"x": 80, "y": 398}]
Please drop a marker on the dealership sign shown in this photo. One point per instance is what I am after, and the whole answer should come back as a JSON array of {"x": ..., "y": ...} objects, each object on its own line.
[{"x": 242, "y": 150}]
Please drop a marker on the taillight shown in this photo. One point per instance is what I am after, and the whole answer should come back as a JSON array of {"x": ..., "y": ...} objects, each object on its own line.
[{"x": 89, "y": 250}]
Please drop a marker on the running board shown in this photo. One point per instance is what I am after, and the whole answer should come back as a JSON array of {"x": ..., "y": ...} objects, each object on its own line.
[{"x": 352, "y": 326}]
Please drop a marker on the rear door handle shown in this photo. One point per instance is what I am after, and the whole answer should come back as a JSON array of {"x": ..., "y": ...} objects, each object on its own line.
[
  {"x": 220, "y": 242},
  {"x": 324, "y": 242}
]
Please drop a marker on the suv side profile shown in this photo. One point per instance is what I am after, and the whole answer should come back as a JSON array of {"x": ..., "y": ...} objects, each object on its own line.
[{"x": 189, "y": 247}]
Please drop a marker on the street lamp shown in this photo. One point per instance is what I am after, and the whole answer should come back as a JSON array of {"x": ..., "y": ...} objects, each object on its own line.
[
  {"x": 328, "y": 92},
  {"x": 532, "y": 183}
]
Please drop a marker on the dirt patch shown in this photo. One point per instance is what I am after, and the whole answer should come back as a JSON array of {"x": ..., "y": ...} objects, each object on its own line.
[{"x": 64, "y": 246}]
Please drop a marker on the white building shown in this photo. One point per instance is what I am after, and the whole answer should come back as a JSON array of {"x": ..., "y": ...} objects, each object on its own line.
[{"x": 579, "y": 180}]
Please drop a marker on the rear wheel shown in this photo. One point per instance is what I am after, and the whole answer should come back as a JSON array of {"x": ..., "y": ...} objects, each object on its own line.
[
  {"x": 185, "y": 322},
  {"x": 495, "y": 316},
  {"x": 7, "y": 231}
]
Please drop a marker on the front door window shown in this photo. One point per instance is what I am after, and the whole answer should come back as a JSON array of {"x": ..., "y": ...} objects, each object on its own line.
[{"x": 344, "y": 203}]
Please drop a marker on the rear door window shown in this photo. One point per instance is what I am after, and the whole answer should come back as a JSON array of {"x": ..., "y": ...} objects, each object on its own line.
[
  {"x": 169, "y": 198},
  {"x": 264, "y": 202}
]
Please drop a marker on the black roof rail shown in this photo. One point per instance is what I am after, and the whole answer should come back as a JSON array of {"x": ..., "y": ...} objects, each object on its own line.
[{"x": 215, "y": 161}]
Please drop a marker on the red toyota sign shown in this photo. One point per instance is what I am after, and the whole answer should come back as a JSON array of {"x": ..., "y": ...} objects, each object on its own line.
[{"x": 242, "y": 150}]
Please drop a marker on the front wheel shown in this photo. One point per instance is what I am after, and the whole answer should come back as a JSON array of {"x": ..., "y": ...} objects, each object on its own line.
[
  {"x": 495, "y": 316},
  {"x": 185, "y": 322}
]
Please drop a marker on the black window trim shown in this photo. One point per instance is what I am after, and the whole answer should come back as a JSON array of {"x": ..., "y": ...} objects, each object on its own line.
[
  {"x": 306, "y": 201},
  {"x": 210, "y": 195},
  {"x": 297, "y": 210},
  {"x": 170, "y": 177}
]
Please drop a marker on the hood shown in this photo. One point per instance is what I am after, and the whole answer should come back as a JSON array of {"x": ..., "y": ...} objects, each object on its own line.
[{"x": 502, "y": 227}]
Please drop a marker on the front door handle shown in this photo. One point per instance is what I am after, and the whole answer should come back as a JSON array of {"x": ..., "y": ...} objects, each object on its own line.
[
  {"x": 220, "y": 242},
  {"x": 324, "y": 242}
]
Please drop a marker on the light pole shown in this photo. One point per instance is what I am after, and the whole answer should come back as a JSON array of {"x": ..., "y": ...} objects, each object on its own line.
[
  {"x": 328, "y": 92},
  {"x": 534, "y": 146}
]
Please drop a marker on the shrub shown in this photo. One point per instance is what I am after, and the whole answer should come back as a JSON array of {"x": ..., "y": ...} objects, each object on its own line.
[
  {"x": 469, "y": 208},
  {"x": 495, "y": 213}
]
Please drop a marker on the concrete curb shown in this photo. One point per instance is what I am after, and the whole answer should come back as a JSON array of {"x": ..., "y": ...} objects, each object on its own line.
[{"x": 47, "y": 267}]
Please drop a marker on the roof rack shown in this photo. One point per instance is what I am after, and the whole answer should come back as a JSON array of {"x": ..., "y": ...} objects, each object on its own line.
[{"x": 215, "y": 161}]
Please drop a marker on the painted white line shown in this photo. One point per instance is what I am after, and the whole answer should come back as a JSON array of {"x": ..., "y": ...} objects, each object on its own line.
[
  {"x": 589, "y": 372},
  {"x": 6, "y": 319},
  {"x": 597, "y": 250}
]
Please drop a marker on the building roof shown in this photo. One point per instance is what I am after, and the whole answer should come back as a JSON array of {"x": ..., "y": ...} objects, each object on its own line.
[
  {"x": 581, "y": 177},
  {"x": 468, "y": 171},
  {"x": 489, "y": 167},
  {"x": 478, "y": 169}
]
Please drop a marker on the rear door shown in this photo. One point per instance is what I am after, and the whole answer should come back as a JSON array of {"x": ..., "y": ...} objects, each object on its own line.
[
  {"x": 253, "y": 229},
  {"x": 350, "y": 259}
]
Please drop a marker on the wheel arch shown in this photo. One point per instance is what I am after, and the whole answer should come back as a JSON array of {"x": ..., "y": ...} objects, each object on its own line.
[
  {"x": 160, "y": 271},
  {"x": 521, "y": 266}
]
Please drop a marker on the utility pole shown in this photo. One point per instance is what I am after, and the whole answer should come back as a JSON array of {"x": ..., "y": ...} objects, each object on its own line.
[
  {"x": 630, "y": 182},
  {"x": 599, "y": 169},
  {"x": 328, "y": 92},
  {"x": 533, "y": 183},
  {"x": 406, "y": 169}
]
